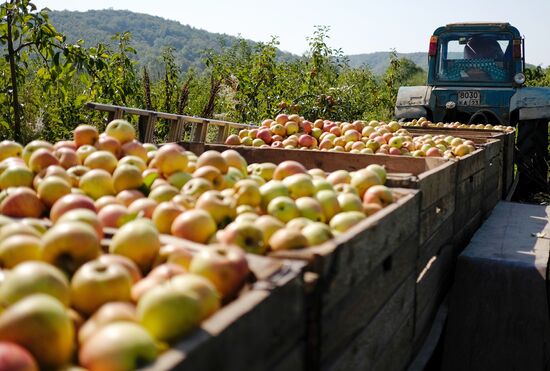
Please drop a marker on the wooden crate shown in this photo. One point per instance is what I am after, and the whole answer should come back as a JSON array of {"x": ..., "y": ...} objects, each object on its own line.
[
  {"x": 434, "y": 177},
  {"x": 262, "y": 329},
  {"x": 508, "y": 147}
]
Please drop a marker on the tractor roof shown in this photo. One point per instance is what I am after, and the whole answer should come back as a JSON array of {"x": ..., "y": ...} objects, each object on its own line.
[{"x": 478, "y": 27}]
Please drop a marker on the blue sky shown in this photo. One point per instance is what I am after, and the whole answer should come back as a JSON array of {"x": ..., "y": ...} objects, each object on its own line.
[{"x": 356, "y": 26}]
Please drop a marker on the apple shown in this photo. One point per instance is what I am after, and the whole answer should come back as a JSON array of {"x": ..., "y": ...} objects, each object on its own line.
[
  {"x": 434, "y": 152},
  {"x": 34, "y": 277},
  {"x": 127, "y": 177},
  {"x": 291, "y": 127},
  {"x": 143, "y": 207},
  {"x": 378, "y": 194},
  {"x": 225, "y": 266},
  {"x": 247, "y": 141},
  {"x": 83, "y": 215},
  {"x": 164, "y": 192},
  {"x": 320, "y": 184},
  {"x": 245, "y": 235},
  {"x": 110, "y": 144},
  {"x": 268, "y": 225},
  {"x": 306, "y": 140},
  {"x": 67, "y": 157},
  {"x": 212, "y": 174},
  {"x": 328, "y": 199},
  {"x": 317, "y": 233},
  {"x": 461, "y": 149},
  {"x": 343, "y": 221},
  {"x": 378, "y": 169},
  {"x": 96, "y": 283},
  {"x": 41, "y": 159},
  {"x": 264, "y": 135},
  {"x": 20, "y": 202},
  {"x": 128, "y": 196},
  {"x": 209, "y": 298},
  {"x": 196, "y": 187},
  {"x": 116, "y": 311},
  {"x": 281, "y": 118},
  {"x": 97, "y": 183},
  {"x": 222, "y": 209},
  {"x": 52, "y": 189},
  {"x": 310, "y": 208},
  {"x": 137, "y": 240},
  {"x": 101, "y": 160},
  {"x": 124, "y": 262},
  {"x": 265, "y": 170},
  {"x": 16, "y": 358},
  {"x": 70, "y": 244},
  {"x": 234, "y": 159},
  {"x": 85, "y": 134},
  {"x": 75, "y": 173},
  {"x": 233, "y": 140},
  {"x": 298, "y": 223},
  {"x": 168, "y": 313},
  {"x": 170, "y": 159},
  {"x": 85, "y": 151},
  {"x": 113, "y": 215},
  {"x": 179, "y": 178},
  {"x": 16, "y": 175},
  {"x": 69, "y": 202},
  {"x": 258, "y": 143},
  {"x": 247, "y": 192},
  {"x": 19, "y": 248},
  {"x": 213, "y": 158},
  {"x": 32, "y": 320},
  {"x": 10, "y": 148},
  {"x": 33, "y": 146},
  {"x": 350, "y": 202},
  {"x": 121, "y": 130},
  {"x": 299, "y": 185},
  {"x": 338, "y": 177},
  {"x": 195, "y": 225},
  {"x": 306, "y": 126},
  {"x": 283, "y": 208},
  {"x": 103, "y": 201},
  {"x": 345, "y": 188},
  {"x": 165, "y": 214},
  {"x": 371, "y": 208},
  {"x": 134, "y": 148},
  {"x": 160, "y": 274},
  {"x": 287, "y": 168},
  {"x": 118, "y": 346},
  {"x": 135, "y": 161},
  {"x": 364, "y": 179},
  {"x": 287, "y": 239}
]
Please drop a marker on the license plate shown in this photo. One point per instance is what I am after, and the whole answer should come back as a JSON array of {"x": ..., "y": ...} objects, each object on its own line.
[{"x": 469, "y": 98}]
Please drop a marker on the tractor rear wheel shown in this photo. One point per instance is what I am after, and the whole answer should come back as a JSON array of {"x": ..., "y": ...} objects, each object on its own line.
[{"x": 532, "y": 159}]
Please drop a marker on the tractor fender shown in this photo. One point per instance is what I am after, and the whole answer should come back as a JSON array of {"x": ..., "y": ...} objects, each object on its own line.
[
  {"x": 411, "y": 101},
  {"x": 532, "y": 102}
]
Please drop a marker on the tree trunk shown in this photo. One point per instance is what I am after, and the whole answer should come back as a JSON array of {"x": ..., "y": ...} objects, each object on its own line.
[{"x": 13, "y": 73}]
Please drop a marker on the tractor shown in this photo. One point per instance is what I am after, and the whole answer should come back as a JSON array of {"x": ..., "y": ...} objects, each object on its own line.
[{"x": 476, "y": 75}]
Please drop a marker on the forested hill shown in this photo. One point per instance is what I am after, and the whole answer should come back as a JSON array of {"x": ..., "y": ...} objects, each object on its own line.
[{"x": 151, "y": 34}]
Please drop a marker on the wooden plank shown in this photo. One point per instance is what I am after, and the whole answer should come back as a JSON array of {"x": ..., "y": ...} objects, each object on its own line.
[
  {"x": 498, "y": 314},
  {"x": 435, "y": 215},
  {"x": 391, "y": 325},
  {"x": 440, "y": 237},
  {"x": 176, "y": 130},
  {"x": 432, "y": 283},
  {"x": 341, "y": 321}
]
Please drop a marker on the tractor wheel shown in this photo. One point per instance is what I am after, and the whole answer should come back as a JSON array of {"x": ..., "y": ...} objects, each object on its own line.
[{"x": 532, "y": 159}]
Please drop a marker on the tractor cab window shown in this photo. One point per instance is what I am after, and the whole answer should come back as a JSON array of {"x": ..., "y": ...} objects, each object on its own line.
[{"x": 480, "y": 57}]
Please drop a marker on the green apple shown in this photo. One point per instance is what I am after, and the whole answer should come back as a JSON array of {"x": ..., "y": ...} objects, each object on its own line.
[
  {"x": 287, "y": 239},
  {"x": 283, "y": 208},
  {"x": 168, "y": 313},
  {"x": 245, "y": 235},
  {"x": 317, "y": 233},
  {"x": 345, "y": 220},
  {"x": 37, "y": 319},
  {"x": 329, "y": 203},
  {"x": 310, "y": 208},
  {"x": 299, "y": 185},
  {"x": 34, "y": 277}
]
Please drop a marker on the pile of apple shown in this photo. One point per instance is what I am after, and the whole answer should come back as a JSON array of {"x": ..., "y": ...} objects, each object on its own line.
[
  {"x": 108, "y": 304},
  {"x": 423, "y": 122},
  {"x": 359, "y": 137}
]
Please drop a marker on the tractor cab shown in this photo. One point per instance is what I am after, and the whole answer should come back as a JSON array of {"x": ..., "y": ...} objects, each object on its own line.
[{"x": 475, "y": 76}]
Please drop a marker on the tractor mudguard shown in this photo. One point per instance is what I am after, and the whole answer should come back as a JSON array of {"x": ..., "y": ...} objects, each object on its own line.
[
  {"x": 532, "y": 102},
  {"x": 412, "y": 101}
]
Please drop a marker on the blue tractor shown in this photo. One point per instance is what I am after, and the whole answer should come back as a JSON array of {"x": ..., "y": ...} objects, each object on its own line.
[{"x": 476, "y": 75}]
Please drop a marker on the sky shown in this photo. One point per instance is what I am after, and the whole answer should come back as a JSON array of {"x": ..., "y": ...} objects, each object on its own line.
[{"x": 355, "y": 26}]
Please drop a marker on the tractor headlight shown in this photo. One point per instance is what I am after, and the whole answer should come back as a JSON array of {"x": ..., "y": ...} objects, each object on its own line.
[{"x": 519, "y": 78}]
